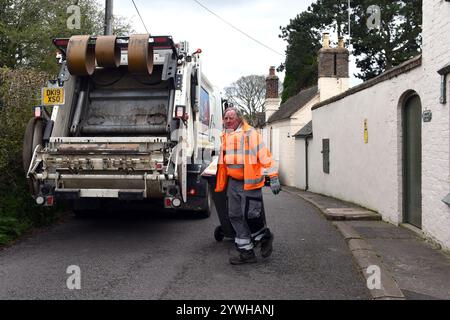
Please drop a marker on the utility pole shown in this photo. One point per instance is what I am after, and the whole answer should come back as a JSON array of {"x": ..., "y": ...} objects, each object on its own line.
[
  {"x": 108, "y": 17},
  {"x": 349, "y": 23}
]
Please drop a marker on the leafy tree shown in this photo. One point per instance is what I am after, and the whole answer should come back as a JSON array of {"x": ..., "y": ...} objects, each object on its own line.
[
  {"x": 331, "y": 15},
  {"x": 397, "y": 40},
  {"x": 301, "y": 54},
  {"x": 28, "y": 27},
  {"x": 248, "y": 94}
]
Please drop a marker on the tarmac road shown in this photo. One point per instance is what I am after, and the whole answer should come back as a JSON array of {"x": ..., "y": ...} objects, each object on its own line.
[{"x": 165, "y": 256}]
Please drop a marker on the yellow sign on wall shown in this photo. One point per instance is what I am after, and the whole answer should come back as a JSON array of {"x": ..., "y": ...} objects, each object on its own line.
[
  {"x": 53, "y": 96},
  {"x": 366, "y": 132}
]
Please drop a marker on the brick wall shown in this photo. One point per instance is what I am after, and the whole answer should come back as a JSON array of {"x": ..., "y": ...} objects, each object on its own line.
[
  {"x": 272, "y": 84},
  {"x": 333, "y": 62}
]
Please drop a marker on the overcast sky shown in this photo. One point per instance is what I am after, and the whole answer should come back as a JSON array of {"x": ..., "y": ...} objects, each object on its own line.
[{"x": 227, "y": 54}]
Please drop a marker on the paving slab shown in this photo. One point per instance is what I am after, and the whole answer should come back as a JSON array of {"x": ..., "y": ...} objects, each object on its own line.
[
  {"x": 347, "y": 231},
  {"x": 359, "y": 244},
  {"x": 366, "y": 258},
  {"x": 335, "y": 209},
  {"x": 388, "y": 289},
  {"x": 421, "y": 271},
  {"x": 411, "y": 266}
]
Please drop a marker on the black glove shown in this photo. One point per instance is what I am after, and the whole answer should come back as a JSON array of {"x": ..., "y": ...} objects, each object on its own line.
[{"x": 275, "y": 185}]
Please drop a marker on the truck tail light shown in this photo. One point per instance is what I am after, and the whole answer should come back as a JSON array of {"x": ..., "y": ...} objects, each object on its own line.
[
  {"x": 159, "y": 166},
  {"x": 61, "y": 42},
  {"x": 161, "y": 39},
  {"x": 192, "y": 192},
  {"x": 37, "y": 112},
  {"x": 167, "y": 203},
  {"x": 50, "y": 201},
  {"x": 179, "y": 112}
]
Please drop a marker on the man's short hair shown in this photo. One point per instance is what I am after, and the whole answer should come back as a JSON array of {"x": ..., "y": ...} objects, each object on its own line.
[{"x": 238, "y": 112}]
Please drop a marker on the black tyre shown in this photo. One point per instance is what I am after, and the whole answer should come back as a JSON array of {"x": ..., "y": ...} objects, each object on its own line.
[
  {"x": 209, "y": 206},
  {"x": 218, "y": 234},
  {"x": 33, "y": 137}
]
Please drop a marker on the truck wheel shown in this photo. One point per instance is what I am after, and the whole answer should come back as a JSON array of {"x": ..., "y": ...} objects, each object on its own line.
[
  {"x": 218, "y": 234},
  {"x": 208, "y": 205},
  {"x": 33, "y": 137}
]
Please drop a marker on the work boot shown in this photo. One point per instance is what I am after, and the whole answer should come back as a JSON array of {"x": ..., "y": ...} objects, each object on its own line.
[
  {"x": 245, "y": 256},
  {"x": 266, "y": 244}
]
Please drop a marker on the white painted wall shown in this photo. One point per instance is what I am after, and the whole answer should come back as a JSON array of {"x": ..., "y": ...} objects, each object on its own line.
[
  {"x": 367, "y": 174},
  {"x": 329, "y": 86},
  {"x": 266, "y": 133},
  {"x": 304, "y": 115},
  {"x": 300, "y": 171},
  {"x": 272, "y": 105},
  {"x": 371, "y": 174},
  {"x": 283, "y": 149},
  {"x": 284, "y": 142},
  {"x": 435, "y": 134}
]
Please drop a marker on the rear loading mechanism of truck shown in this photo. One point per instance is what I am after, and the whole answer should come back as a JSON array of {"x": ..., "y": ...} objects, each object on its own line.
[{"x": 129, "y": 118}]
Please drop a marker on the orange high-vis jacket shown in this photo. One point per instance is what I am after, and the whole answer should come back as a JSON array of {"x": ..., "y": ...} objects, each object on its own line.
[{"x": 246, "y": 151}]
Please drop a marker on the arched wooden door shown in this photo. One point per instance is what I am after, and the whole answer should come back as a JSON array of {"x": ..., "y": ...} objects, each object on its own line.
[{"x": 412, "y": 161}]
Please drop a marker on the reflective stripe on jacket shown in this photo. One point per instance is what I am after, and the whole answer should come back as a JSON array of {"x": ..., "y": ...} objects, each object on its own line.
[
  {"x": 233, "y": 157},
  {"x": 244, "y": 150}
]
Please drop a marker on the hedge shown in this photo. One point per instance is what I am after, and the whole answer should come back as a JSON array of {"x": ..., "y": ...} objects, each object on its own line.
[{"x": 19, "y": 92}]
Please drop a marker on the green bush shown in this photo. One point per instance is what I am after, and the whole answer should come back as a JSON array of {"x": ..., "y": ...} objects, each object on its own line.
[{"x": 19, "y": 92}]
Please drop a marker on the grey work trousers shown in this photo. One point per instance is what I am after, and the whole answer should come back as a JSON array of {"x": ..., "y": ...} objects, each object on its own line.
[{"x": 246, "y": 213}]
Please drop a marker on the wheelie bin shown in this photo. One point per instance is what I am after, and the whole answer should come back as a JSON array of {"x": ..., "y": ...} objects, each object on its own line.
[{"x": 225, "y": 229}]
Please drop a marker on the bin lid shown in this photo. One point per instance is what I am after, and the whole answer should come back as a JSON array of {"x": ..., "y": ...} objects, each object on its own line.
[{"x": 211, "y": 170}]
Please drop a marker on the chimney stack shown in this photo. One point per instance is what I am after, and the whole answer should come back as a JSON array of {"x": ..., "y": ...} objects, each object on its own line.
[
  {"x": 272, "y": 99},
  {"x": 326, "y": 40},
  {"x": 341, "y": 43},
  {"x": 333, "y": 68},
  {"x": 272, "y": 84}
]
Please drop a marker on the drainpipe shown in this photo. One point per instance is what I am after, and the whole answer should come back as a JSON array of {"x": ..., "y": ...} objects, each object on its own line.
[
  {"x": 306, "y": 163},
  {"x": 443, "y": 73}
]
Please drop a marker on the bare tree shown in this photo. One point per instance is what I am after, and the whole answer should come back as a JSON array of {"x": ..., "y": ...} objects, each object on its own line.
[{"x": 248, "y": 94}]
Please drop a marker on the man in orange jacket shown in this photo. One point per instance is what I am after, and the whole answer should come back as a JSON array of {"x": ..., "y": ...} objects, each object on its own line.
[{"x": 243, "y": 161}]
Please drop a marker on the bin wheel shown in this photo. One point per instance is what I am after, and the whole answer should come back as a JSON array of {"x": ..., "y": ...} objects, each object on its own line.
[{"x": 218, "y": 234}]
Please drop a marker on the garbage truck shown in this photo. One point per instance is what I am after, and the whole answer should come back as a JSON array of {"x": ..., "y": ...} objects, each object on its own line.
[{"x": 129, "y": 119}]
